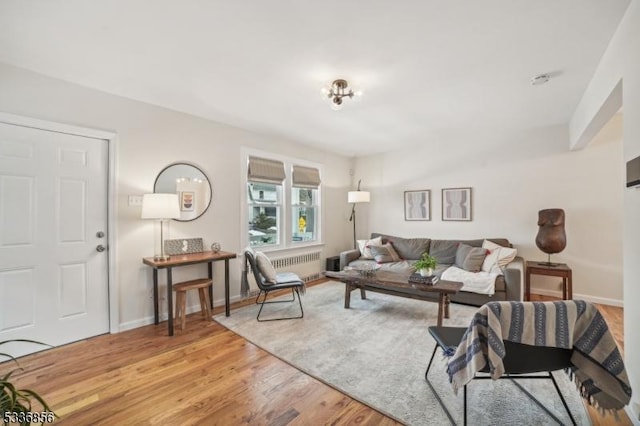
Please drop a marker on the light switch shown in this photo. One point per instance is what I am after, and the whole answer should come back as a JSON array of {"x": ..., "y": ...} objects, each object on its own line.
[{"x": 135, "y": 200}]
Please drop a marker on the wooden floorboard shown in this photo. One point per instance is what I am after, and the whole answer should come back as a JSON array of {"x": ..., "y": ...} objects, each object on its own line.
[{"x": 205, "y": 374}]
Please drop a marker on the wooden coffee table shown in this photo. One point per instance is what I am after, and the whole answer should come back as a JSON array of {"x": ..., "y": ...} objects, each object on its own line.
[{"x": 397, "y": 284}]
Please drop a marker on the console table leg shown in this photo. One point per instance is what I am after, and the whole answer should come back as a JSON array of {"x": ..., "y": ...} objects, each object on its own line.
[
  {"x": 440, "y": 308},
  {"x": 363, "y": 295},
  {"x": 156, "y": 312},
  {"x": 170, "y": 301}
]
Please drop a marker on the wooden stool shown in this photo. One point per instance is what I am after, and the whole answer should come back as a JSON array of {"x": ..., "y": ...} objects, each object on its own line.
[{"x": 181, "y": 289}]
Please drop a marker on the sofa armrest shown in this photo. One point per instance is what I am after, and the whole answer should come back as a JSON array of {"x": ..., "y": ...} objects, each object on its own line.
[
  {"x": 348, "y": 256},
  {"x": 514, "y": 279}
]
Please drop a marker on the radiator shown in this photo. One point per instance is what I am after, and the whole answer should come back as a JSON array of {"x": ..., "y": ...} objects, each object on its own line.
[{"x": 307, "y": 265}]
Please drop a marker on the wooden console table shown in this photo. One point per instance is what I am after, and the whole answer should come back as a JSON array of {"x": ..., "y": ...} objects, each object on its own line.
[
  {"x": 207, "y": 257},
  {"x": 541, "y": 268}
]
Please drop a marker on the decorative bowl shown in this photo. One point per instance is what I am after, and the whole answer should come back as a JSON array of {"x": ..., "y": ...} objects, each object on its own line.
[{"x": 367, "y": 270}]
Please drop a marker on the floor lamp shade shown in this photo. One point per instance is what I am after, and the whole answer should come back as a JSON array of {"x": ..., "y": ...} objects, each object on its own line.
[
  {"x": 358, "y": 197},
  {"x": 355, "y": 197}
]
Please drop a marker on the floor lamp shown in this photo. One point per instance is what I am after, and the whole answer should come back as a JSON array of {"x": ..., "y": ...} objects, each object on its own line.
[
  {"x": 355, "y": 197},
  {"x": 161, "y": 207}
]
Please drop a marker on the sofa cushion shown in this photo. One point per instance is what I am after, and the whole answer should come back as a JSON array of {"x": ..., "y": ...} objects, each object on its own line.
[
  {"x": 478, "y": 242},
  {"x": 444, "y": 250},
  {"x": 364, "y": 246},
  {"x": 385, "y": 253},
  {"x": 407, "y": 248}
]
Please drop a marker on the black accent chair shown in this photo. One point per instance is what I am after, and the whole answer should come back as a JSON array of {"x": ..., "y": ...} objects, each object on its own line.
[
  {"x": 520, "y": 361},
  {"x": 283, "y": 281}
]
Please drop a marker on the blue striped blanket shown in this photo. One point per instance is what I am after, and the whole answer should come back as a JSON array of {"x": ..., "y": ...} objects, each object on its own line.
[{"x": 598, "y": 369}]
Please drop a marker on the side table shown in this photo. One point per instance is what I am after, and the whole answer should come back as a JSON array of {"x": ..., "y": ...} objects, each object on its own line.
[
  {"x": 207, "y": 257},
  {"x": 559, "y": 270}
]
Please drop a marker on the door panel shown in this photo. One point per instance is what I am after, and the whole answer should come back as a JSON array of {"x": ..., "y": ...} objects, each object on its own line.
[
  {"x": 53, "y": 201},
  {"x": 17, "y": 286},
  {"x": 16, "y": 200}
]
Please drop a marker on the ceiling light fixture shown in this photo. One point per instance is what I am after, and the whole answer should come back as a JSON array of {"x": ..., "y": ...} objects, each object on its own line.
[
  {"x": 339, "y": 89},
  {"x": 540, "y": 79}
]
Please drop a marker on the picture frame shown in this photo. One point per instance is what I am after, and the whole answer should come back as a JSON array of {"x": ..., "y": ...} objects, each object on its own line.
[
  {"x": 187, "y": 201},
  {"x": 417, "y": 205},
  {"x": 457, "y": 204}
]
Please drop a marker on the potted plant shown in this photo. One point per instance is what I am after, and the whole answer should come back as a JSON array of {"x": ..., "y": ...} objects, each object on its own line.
[
  {"x": 425, "y": 265},
  {"x": 16, "y": 404}
]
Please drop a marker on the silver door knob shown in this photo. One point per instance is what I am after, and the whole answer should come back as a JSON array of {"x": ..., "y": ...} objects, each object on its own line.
[{"x": 100, "y": 248}]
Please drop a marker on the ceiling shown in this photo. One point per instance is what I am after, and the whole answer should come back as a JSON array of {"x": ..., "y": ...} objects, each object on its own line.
[{"x": 429, "y": 70}]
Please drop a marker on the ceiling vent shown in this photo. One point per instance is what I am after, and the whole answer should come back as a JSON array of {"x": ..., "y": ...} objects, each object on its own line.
[{"x": 539, "y": 79}]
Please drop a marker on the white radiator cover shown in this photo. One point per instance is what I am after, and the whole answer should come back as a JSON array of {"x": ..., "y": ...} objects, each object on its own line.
[{"x": 307, "y": 266}]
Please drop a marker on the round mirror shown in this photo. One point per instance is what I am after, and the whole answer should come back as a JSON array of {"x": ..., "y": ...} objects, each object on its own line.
[{"x": 191, "y": 185}]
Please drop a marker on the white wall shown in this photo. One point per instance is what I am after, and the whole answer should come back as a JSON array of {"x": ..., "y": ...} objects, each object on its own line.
[
  {"x": 150, "y": 138},
  {"x": 518, "y": 176},
  {"x": 621, "y": 62}
]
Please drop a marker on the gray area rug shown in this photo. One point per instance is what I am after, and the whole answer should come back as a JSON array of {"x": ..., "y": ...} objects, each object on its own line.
[{"x": 377, "y": 352}]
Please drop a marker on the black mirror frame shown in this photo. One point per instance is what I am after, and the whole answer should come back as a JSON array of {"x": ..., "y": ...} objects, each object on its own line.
[{"x": 184, "y": 163}]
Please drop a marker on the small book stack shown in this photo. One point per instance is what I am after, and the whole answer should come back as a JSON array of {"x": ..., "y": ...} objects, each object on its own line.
[{"x": 417, "y": 278}]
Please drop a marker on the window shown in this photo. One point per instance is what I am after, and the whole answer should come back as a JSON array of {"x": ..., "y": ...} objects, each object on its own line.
[
  {"x": 304, "y": 203},
  {"x": 283, "y": 203},
  {"x": 264, "y": 213}
]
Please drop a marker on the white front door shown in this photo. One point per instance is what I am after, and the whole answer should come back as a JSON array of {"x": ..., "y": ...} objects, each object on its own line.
[{"x": 53, "y": 226}]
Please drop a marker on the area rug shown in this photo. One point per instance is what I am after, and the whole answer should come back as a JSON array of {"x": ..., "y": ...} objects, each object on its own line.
[{"x": 377, "y": 352}]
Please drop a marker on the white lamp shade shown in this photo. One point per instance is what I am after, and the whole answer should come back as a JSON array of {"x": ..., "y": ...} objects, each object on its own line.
[
  {"x": 160, "y": 206},
  {"x": 359, "y": 197}
]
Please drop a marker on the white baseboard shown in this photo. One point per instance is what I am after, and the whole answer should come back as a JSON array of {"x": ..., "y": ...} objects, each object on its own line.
[
  {"x": 130, "y": 325},
  {"x": 633, "y": 411},
  {"x": 585, "y": 297}
]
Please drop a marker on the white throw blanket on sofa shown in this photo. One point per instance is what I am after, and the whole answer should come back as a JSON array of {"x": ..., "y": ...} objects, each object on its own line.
[{"x": 474, "y": 282}]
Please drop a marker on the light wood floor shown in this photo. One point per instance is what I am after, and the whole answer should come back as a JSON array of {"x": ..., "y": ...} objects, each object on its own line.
[{"x": 203, "y": 375}]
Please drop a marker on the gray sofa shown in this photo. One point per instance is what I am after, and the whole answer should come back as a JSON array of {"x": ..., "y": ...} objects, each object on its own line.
[{"x": 507, "y": 287}]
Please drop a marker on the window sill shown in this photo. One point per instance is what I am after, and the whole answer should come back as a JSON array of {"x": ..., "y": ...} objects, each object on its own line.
[{"x": 294, "y": 248}]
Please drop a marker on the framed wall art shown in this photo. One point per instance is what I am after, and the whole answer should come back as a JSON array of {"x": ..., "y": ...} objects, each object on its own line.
[
  {"x": 417, "y": 205},
  {"x": 456, "y": 204},
  {"x": 187, "y": 201}
]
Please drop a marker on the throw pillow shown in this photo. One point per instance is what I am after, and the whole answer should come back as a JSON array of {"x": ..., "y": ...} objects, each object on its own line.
[
  {"x": 498, "y": 256},
  {"x": 461, "y": 254},
  {"x": 265, "y": 267},
  {"x": 365, "y": 251},
  {"x": 470, "y": 258},
  {"x": 385, "y": 253},
  {"x": 474, "y": 260}
]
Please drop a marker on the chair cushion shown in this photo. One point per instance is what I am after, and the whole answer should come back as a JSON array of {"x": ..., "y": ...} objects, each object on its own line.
[{"x": 265, "y": 267}]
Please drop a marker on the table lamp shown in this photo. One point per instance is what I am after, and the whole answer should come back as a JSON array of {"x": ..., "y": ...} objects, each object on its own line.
[
  {"x": 161, "y": 207},
  {"x": 355, "y": 197}
]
